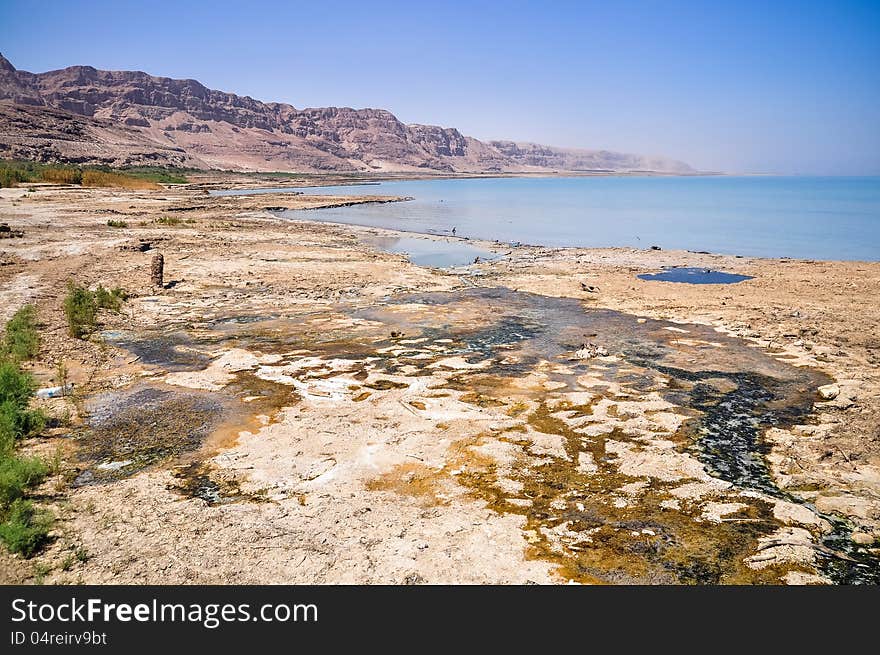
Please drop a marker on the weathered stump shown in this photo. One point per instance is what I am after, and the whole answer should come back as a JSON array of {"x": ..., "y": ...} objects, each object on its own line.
[{"x": 157, "y": 270}]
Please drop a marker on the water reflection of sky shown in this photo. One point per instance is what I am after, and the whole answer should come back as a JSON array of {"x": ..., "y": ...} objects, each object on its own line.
[
  {"x": 807, "y": 217},
  {"x": 431, "y": 252},
  {"x": 695, "y": 276}
]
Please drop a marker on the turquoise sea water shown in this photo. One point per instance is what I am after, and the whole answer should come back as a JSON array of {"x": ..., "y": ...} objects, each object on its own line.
[{"x": 802, "y": 217}]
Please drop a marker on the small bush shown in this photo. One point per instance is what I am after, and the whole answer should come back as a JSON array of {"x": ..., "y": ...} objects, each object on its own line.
[
  {"x": 26, "y": 528},
  {"x": 113, "y": 223},
  {"x": 53, "y": 466},
  {"x": 81, "y": 310},
  {"x": 17, "y": 423},
  {"x": 16, "y": 386},
  {"x": 81, "y": 307},
  {"x": 21, "y": 341},
  {"x": 10, "y": 178},
  {"x": 61, "y": 375},
  {"x": 16, "y": 420},
  {"x": 106, "y": 300},
  {"x": 111, "y": 300},
  {"x": 9, "y": 430},
  {"x": 18, "y": 474},
  {"x": 168, "y": 220}
]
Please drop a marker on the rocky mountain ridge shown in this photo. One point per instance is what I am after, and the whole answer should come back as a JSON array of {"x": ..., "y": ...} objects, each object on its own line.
[{"x": 85, "y": 115}]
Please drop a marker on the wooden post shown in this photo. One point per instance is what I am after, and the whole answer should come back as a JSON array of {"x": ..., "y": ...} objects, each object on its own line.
[{"x": 157, "y": 269}]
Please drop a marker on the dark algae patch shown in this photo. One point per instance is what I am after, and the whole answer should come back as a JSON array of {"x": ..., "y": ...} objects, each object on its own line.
[
  {"x": 726, "y": 436},
  {"x": 727, "y": 439},
  {"x": 131, "y": 430},
  {"x": 195, "y": 481},
  {"x": 843, "y": 561},
  {"x": 172, "y": 351},
  {"x": 384, "y": 385},
  {"x": 201, "y": 480},
  {"x": 730, "y": 392}
]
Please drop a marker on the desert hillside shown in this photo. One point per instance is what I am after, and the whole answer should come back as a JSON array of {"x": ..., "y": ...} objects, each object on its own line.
[{"x": 84, "y": 115}]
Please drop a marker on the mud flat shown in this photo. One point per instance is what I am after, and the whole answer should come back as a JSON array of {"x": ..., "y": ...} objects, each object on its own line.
[{"x": 299, "y": 406}]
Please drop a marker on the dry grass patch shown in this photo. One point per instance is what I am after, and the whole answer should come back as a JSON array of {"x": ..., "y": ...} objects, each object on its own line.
[{"x": 104, "y": 179}]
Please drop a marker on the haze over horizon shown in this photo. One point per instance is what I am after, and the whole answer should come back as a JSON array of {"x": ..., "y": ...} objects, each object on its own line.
[{"x": 793, "y": 88}]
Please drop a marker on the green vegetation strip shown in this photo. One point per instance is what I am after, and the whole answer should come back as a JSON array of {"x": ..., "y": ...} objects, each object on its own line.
[
  {"x": 24, "y": 527},
  {"x": 14, "y": 172}
]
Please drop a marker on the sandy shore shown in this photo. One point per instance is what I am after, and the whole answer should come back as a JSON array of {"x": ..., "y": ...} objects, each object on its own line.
[{"x": 283, "y": 412}]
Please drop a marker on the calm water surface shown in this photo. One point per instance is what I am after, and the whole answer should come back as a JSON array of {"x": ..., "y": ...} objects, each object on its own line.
[
  {"x": 803, "y": 217},
  {"x": 424, "y": 251}
]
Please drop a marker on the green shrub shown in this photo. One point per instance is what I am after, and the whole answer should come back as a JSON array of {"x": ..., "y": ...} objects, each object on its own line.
[
  {"x": 18, "y": 474},
  {"x": 81, "y": 307},
  {"x": 23, "y": 528},
  {"x": 9, "y": 430},
  {"x": 26, "y": 528},
  {"x": 10, "y": 178},
  {"x": 22, "y": 341},
  {"x": 16, "y": 423},
  {"x": 168, "y": 220},
  {"x": 81, "y": 310},
  {"x": 16, "y": 420},
  {"x": 111, "y": 300},
  {"x": 16, "y": 389},
  {"x": 16, "y": 386},
  {"x": 114, "y": 223}
]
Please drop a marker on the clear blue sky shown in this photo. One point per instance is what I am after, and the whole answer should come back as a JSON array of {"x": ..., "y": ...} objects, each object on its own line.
[{"x": 778, "y": 86}]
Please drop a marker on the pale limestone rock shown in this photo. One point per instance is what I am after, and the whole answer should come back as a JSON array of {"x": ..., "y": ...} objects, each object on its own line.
[
  {"x": 716, "y": 512},
  {"x": 586, "y": 464},
  {"x": 790, "y": 513},
  {"x": 787, "y": 545},
  {"x": 800, "y": 578},
  {"x": 829, "y": 391}
]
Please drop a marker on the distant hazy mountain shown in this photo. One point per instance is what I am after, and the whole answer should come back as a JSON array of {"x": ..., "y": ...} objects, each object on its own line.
[{"x": 84, "y": 115}]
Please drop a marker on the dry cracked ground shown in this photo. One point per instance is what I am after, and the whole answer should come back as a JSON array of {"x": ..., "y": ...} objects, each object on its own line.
[{"x": 296, "y": 407}]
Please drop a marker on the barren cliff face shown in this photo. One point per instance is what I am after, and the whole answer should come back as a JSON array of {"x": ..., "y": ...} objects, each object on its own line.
[{"x": 86, "y": 115}]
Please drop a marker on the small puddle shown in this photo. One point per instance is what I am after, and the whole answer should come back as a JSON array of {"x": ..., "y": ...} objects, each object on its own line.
[
  {"x": 435, "y": 253},
  {"x": 695, "y": 276}
]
